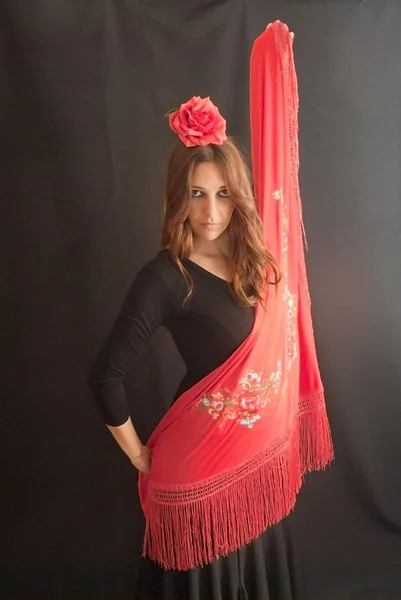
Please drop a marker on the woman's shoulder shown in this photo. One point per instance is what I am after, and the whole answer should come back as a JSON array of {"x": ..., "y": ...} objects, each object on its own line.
[
  {"x": 162, "y": 263},
  {"x": 163, "y": 266}
]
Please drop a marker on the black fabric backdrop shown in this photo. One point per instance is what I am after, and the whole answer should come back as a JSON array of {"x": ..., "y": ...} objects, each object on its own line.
[{"x": 84, "y": 87}]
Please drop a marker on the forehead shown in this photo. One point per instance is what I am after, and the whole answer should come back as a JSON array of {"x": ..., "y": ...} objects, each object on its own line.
[{"x": 207, "y": 174}]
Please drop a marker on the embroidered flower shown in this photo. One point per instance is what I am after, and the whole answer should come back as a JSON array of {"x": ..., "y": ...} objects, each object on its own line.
[
  {"x": 249, "y": 380},
  {"x": 292, "y": 346},
  {"x": 276, "y": 377},
  {"x": 230, "y": 413},
  {"x": 249, "y": 421},
  {"x": 214, "y": 413},
  {"x": 249, "y": 403},
  {"x": 205, "y": 402}
]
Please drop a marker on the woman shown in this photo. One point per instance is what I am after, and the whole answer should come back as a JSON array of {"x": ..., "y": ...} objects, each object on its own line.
[{"x": 220, "y": 293}]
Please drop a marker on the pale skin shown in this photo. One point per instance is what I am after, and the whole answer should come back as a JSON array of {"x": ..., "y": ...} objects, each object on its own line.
[{"x": 209, "y": 215}]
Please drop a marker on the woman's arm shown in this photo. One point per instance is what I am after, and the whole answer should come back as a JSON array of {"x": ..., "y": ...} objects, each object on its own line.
[
  {"x": 147, "y": 305},
  {"x": 129, "y": 442}
]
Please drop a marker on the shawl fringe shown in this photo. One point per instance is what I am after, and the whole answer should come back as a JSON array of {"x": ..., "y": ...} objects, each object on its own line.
[{"x": 193, "y": 527}]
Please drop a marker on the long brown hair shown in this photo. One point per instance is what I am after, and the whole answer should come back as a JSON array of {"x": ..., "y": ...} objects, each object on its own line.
[{"x": 250, "y": 262}]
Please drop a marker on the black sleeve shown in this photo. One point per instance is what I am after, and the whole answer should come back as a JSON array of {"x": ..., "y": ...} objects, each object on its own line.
[{"x": 147, "y": 305}]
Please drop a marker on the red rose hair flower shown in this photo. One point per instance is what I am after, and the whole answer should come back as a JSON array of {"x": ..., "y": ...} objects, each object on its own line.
[{"x": 198, "y": 123}]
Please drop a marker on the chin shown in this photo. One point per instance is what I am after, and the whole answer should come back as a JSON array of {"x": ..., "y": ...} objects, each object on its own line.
[{"x": 208, "y": 236}]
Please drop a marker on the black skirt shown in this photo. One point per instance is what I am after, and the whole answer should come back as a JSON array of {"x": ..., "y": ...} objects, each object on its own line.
[{"x": 269, "y": 568}]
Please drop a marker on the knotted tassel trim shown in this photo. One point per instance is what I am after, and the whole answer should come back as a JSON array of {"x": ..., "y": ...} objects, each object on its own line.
[{"x": 194, "y": 525}]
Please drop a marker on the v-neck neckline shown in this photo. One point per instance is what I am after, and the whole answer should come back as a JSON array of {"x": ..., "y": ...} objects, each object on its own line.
[{"x": 207, "y": 272}]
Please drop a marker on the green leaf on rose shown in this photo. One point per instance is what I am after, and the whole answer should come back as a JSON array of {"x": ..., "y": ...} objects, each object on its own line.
[{"x": 173, "y": 110}]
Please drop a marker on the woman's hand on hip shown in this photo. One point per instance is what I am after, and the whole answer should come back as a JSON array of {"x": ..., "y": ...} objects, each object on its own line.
[{"x": 143, "y": 461}]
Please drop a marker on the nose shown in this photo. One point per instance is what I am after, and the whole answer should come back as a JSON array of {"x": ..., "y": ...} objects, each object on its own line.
[{"x": 210, "y": 208}]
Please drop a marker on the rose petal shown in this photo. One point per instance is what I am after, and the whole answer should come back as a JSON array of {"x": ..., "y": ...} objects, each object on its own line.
[
  {"x": 171, "y": 118},
  {"x": 180, "y": 127},
  {"x": 195, "y": 140},
  {"x": 203, "y": 120},
  {"x": 192, "y": 120},
  {"x": 186, "y": 141},
  {"x": 206, "y": 104},
  {"x": 194, "y": 133},
  {"x": 184, "y": 114}
]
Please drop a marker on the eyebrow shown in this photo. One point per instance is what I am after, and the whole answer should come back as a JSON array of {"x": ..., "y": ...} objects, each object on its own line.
[{"x": 199, "y": 187}]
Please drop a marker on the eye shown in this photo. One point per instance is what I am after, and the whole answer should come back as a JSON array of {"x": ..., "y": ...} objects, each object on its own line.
[
  {"x": 197, "y": 193},
  {"x": 224, "y": 193}
]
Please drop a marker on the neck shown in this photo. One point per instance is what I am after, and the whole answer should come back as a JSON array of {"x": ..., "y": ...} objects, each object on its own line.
[{"x": 217, "y": 247}]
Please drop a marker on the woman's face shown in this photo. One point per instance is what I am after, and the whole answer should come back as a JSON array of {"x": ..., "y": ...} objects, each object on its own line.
[{"x": 210, "y": 206}]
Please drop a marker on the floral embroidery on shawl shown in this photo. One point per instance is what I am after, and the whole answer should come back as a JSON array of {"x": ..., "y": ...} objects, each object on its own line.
[
  {"x": 289, "y": 299},
  {"x": 255, "y": 392}
]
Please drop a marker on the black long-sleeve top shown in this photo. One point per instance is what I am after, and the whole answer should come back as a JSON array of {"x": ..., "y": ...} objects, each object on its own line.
[{"x": 206, "y": 330}]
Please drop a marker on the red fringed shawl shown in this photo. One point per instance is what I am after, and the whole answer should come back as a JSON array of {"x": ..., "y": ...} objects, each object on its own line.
[{"x": 229, "y": 456}]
